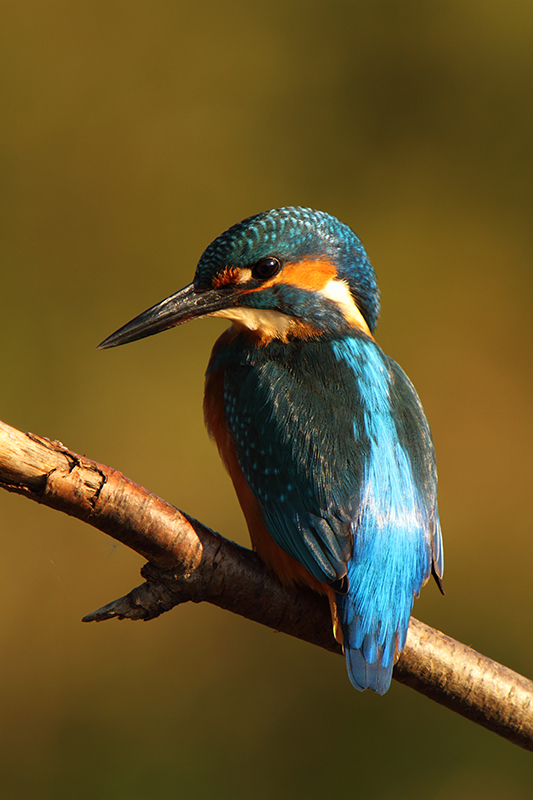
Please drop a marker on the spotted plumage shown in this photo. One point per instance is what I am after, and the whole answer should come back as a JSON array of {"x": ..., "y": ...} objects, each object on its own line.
[{"x": 323, "y": 434}]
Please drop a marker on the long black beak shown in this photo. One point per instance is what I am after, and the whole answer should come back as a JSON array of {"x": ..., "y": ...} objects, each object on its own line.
[{"x": 180, "y": 307}]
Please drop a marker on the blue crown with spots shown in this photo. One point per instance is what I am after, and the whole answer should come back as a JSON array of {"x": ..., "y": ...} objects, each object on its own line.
[{"x": 294, "y": 233}]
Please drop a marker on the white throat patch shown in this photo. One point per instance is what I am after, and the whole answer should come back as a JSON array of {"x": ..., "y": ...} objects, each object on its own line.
[{"x": 271, "y": 324}]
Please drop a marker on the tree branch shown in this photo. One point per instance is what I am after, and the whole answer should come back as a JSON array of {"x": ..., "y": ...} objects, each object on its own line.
[{"x": 188, "y": 561}]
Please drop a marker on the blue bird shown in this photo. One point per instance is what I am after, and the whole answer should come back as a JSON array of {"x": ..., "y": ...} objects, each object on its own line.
[{"x": 323, "y": 435}]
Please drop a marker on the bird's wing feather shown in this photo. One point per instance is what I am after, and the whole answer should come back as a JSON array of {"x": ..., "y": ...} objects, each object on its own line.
[
  {"x": 294, "y": 423},
  {"x": 334, "y": 444},
  {"x": 413, "y": 429}
]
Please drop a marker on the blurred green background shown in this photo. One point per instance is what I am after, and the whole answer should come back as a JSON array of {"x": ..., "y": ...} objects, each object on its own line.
[{"x": 132, "y": 134}]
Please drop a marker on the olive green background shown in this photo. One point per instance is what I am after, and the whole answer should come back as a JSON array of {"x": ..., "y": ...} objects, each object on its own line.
[{"x": 132, "y": 134}]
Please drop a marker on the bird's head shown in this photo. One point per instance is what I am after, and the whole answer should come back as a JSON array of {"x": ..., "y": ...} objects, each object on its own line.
[{"x": 283, "y": 273}]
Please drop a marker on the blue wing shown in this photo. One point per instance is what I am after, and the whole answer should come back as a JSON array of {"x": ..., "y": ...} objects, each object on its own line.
[{"x": 334, "y": 444}]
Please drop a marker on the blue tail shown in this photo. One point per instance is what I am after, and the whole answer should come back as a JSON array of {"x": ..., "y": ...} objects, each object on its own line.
[
  {"x": 370, "y": 665},
  {"x": 387, "y": 570}
]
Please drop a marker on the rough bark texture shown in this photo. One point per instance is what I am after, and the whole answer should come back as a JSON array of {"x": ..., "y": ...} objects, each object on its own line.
[{"x": 187, "y": 561}]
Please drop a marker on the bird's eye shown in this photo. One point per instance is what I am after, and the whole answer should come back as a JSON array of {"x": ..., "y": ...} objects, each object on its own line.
[{"x": 266, "y": 268}]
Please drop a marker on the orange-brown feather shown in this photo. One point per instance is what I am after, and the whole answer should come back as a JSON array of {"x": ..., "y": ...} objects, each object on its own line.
[
  {"x": 308, "y": 274},
  {"x": 227, "y": 276}
]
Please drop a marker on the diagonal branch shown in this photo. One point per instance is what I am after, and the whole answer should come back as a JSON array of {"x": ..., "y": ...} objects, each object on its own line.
[{"x": 187, "y": 561}]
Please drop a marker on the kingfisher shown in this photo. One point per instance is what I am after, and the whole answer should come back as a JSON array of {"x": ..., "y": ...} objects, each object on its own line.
[{"x": 323, "y": 435}]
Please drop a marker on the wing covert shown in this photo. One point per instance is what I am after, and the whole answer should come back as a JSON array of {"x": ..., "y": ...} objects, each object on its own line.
[{"x": 297, "y": 428}]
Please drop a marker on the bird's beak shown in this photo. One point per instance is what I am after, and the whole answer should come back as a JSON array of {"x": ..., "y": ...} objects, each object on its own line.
[{"x": 180, "y": 307}]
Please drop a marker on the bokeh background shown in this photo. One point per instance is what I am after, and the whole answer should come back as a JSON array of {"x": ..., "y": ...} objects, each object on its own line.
[{"x": 132, "y": 134}]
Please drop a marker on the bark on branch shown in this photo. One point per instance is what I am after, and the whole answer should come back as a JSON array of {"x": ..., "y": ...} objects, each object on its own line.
[{"x": 187, "y": 561}]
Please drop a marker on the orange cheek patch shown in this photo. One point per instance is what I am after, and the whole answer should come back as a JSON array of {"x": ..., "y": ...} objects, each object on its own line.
[{"x": 308, "y": 274}]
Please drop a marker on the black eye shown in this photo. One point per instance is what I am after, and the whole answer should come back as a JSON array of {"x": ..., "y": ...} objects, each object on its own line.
[{"x": 266, "y": 268}]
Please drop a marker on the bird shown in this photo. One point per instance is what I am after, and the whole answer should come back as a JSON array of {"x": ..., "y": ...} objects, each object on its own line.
[{"x": 323, "y": 435}]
